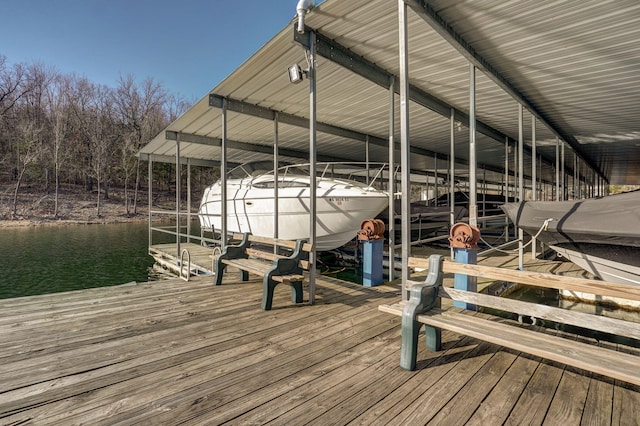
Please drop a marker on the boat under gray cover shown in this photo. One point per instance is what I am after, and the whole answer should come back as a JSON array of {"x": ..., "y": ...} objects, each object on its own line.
[{"x": 597, "y": 234}]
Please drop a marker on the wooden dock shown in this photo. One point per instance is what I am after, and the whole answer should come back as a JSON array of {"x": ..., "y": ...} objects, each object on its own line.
[{"x": 172, "y": 352}]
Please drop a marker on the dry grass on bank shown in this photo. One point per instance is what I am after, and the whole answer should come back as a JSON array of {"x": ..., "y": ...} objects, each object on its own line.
[{"x": 76, "y": 205}]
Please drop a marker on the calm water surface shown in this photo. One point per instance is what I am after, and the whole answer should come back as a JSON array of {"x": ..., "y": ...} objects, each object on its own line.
[{"x": 38, "y": 260}]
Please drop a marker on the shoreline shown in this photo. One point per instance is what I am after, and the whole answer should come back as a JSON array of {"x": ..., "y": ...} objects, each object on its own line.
[{"x": 28, "y": 223}]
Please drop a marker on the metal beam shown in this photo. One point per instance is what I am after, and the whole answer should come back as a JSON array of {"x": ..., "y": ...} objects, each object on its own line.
[
  {"x": 294, "y": 120},
  {"x": 245, "y": 146},
  {"x": 158, "y": 158},
  {"x": 346, "y": 58},
  {"x": 341, "y": 55},
  {"x": 435, "y": 21}
]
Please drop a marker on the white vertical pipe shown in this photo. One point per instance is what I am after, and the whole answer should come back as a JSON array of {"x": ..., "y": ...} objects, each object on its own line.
[
  {"x": 276, "y": 178},
  {"x": 188, "y": 200},
  {"x": 473, "y": 190},
  {"x": 392, "y": 179},
  {"x": 557, "y": 168},
  {"x": 520, "y": 182},
  {"x": 150, "y": 197},
  {"x": 178, "y": 197},
  {"x": 435, "y": 175},
  {"x": 223, "y": 177},
  {"x": 452, "y": 171},
  {"x": 312, "y": 165},
  {"x": 506, "y": 187},
  {"x": 404, "y": 138},
  {"x": 562, "y": 173},
  {"x": 366, "y": 155},
  {"x": 534, "y": 176},
  {"x": 534, "y": 160}
]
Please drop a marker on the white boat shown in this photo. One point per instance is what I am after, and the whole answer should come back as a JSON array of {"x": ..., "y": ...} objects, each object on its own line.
[{"x": 342, "y": 202}]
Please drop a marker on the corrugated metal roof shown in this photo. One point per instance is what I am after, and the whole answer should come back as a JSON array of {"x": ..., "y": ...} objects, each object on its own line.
[{"x": 576, "y": 62}]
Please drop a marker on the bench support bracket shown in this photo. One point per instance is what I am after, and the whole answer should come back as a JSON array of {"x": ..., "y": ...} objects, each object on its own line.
[{"x": 423, "y": 297}]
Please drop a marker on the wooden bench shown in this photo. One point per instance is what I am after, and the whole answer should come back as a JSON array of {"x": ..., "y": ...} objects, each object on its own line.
[
  {"x": 423, "y": 308},
  {"x": 250, "y": 255}
]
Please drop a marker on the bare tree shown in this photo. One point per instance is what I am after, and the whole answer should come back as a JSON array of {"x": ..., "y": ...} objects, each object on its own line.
[
  {"x": 12, "y": 86},
  {"x": 55, "y": 127},
  {"x": 140, "y": 109},
  {"x": 30, "y": 130},
  {"x": 95, "y": 114},
  {"x": 58, "y": 99},
  {"x": 29, "y": 150}
]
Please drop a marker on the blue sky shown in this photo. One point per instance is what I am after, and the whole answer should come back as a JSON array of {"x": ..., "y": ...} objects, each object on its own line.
[{"x": 189, "y": 46}]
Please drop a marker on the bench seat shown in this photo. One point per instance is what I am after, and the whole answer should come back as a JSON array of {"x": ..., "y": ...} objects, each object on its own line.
[{"x": 503, "y": 332}]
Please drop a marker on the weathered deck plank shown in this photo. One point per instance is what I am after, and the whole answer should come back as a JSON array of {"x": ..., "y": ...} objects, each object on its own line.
[{"x": 174, "y": 352}]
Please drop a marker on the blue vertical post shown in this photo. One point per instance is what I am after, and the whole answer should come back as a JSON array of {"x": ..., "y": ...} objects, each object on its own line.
[
  {"x": 372, "y": 262},
  {"x": 467, "y": 256}
]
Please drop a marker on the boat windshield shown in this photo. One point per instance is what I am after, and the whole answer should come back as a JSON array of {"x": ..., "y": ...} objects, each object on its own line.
[
  {"x": 366, "y": 174},
  {"x": 255, "y": 168}
]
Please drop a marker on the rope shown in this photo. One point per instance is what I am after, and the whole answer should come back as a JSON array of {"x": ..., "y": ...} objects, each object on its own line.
[{"x": 543, "y": 227}]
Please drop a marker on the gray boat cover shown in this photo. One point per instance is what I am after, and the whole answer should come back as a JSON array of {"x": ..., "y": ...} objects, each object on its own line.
[{"x": 611, "y": 220}]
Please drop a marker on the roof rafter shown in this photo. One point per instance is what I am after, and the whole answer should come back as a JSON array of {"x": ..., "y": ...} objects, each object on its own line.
[{"x": 446, "y": 31}]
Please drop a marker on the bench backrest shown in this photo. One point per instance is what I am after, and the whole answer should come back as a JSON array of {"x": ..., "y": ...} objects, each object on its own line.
[
  {"x": 291, "y": 244},
  {"x": 539, "y": 279},
  {"x": 534, "y": 310},
  {"x": 250, "y": 239}
]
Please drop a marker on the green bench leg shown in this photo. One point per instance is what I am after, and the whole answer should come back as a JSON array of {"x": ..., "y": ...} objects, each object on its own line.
[
  {"x": 433, "y": 338},
  {"x": 268, "y": 285},
  {"x": 296, "y": 291},
  {"x": 409, "y": 348},
  {"x": 423, "y": 297},
  {"x": 219, "y": 271}
]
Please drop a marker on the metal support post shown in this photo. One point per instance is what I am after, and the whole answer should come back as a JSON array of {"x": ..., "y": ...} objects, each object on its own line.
[
  {"x": 520, "y": 182},
  {"x": 473, "y": 190},
  {"x": 223, "y": 177},
  {"x": 392, "y": 180},
  {"x": 276, "y": 178},
  {"x": 178, "y": 197},
  {"x": 404, "y": 136},
  {"x": 312, "y": 165},
  {"x": 534, "y": 176},
  {"x": 452, "y": 171}
]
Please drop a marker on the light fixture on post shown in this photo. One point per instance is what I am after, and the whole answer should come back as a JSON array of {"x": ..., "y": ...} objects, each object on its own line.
[{"x": 295, "y": 74}]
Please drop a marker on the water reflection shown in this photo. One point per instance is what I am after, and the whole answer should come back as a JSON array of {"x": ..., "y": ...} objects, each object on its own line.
[{"x": 48, "y": 259}]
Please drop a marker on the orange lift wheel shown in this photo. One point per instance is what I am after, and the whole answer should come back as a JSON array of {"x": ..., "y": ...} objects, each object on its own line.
[
  {"x": 371, "y": 229},
  {"x": 463, "y": 235}
]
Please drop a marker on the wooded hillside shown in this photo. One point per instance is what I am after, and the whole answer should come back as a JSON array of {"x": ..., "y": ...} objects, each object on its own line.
[{"x": 63, "y": 130}]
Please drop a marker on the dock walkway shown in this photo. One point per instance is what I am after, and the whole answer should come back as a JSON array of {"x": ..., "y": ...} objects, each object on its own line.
[{"x": 172, "y": 352}]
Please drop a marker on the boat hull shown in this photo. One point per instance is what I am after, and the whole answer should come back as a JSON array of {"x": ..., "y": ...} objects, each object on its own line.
[
  {"x": 609, "y": 263},
  {"x": 339, "y": 213}
]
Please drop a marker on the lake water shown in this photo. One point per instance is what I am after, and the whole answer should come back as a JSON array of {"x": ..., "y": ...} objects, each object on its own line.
[{"x": 48, "y": 259}]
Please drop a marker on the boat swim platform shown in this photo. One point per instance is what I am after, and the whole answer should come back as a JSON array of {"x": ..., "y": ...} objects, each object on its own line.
[{"x": 170, "y": 352}]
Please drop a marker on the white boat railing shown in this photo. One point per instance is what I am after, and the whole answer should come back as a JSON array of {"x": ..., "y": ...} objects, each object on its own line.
[{"x": 360, "y": 172}]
